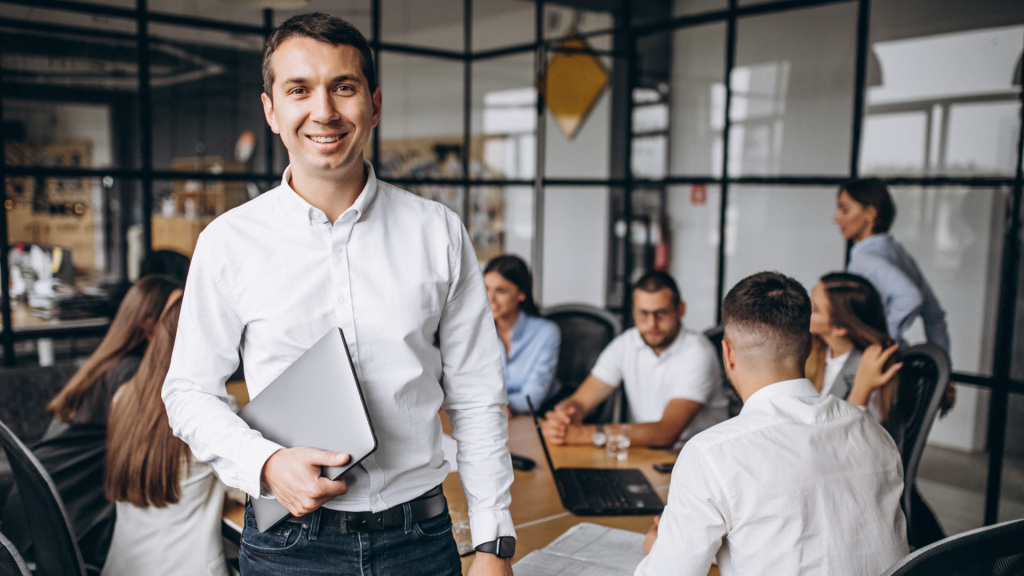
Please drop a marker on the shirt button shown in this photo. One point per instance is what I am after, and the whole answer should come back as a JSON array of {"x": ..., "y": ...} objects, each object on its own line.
[
  {"x": 339, "y": 249},
  {"x": 342, "y": 300}
]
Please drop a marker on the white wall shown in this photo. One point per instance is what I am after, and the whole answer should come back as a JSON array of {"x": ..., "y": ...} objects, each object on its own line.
[{"x": 575, "y": 246}]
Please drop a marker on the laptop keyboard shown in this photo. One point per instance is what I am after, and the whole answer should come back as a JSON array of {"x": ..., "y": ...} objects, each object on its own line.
[{"x": 602, "y": 489}]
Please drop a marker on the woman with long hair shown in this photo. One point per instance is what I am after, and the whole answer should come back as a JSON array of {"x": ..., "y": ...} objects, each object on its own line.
[
  {"x": 73, "y": 449},
  {"x": 529, "y": 343},
  {"x": 168, "y": 504},
  {"x": 848, "y": 322}
]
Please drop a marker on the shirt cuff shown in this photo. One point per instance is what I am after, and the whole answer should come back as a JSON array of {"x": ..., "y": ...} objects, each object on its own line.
[
  {"x": 487, "y": 525},
  {"x": 254, "y": 456}
]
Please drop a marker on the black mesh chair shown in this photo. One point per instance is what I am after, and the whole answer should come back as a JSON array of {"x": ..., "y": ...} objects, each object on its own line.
[
  {"x": 715, "y": 335},
  {"x": 586, "y": 331},
  {"x": 11, "y": 563},
  {"x": 925, "y": 374},
  {"x": 167, "y": 262},
  {"x": 991, "y": 551},
  {"x": 56, "y": 550}
]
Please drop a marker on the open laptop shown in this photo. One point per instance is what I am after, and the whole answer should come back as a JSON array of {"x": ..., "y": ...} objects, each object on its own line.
[
  {"x": 315, "y": 403},
  {"x": 601, "y": 491}
]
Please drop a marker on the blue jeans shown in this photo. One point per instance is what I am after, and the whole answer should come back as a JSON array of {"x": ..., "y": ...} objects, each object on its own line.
[{"x": 425, "y": 547}]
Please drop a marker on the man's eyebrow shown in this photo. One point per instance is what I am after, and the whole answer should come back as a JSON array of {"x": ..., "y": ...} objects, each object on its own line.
[
  {"x": 294, "y": 81},
  {"x": 345, "y": 78}
]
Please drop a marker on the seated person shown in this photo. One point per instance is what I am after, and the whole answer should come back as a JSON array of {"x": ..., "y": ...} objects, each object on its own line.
[
  {"x": 529, "y": 343},
  {"x": 169, "y": 505},
  {"x": 73, "y": 448},
  {"x": 672, "y": 376},
  {"x": 847, "y": 323},
  {"x": 798, "y": 483}
]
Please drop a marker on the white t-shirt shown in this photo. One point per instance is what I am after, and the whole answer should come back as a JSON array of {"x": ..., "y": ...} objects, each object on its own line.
[
  {"x": 689, "y": 369},
  {"x": 833, "y": 366}
]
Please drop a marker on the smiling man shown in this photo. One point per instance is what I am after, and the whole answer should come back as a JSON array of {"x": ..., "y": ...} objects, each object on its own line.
[
  {"x": 334, "y": 247},
  {"x": 672, "y": 376}
]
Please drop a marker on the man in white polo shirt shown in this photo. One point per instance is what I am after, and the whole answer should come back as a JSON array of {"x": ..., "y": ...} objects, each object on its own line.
[{"x": 672, "y": 376}]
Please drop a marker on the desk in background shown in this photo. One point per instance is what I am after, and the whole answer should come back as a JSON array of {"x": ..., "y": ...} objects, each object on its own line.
[{"x": 537, "y": 510}]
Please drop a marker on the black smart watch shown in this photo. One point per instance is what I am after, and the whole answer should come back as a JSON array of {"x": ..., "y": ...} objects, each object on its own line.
[{"x": 503, "y": 547}]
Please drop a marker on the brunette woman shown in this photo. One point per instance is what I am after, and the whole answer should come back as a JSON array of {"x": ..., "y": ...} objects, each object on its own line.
[
  {"x": 529, "y": 343},
  {"x": 73, "y": 450},
  {"x": 168, "y": 504}
]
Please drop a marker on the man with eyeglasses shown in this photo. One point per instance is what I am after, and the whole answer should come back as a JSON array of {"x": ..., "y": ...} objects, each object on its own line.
[{"x": 672, "y": 376}]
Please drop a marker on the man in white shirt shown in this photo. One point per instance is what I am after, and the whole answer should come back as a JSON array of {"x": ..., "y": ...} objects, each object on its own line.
[
  {"x": 672, "y": 376},
  {"x": 797, "y": 483},
  {"x": 334, "y": 247}
]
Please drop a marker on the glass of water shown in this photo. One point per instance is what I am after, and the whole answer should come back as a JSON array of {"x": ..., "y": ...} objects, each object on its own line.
[
  {"x": 617, "y": 441},
  {"x": 460, "y": 530}
]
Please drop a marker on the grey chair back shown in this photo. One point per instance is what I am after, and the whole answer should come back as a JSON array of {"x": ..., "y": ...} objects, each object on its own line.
[
  {"x": 24, "y": 394},
  {"x": 926, "y": 371},
  {"x": 991, "y": 551},
  {"x": 56, "y": 549},
  {"x": 586, "y": 331},
  {"x": 11, "y": 563}
]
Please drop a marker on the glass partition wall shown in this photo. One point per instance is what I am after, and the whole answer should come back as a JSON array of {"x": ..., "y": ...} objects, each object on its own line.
[{"x": 709, "y": 140}]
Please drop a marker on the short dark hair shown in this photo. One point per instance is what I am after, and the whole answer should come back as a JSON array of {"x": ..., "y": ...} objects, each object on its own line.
[
  {"x": 873, "y": 192},
  {"x": 324, "y": 28},
  {"x": 773, "y": 308},
  {"x": 656, "y": 280},
  {"x": 513, "y": 269}
]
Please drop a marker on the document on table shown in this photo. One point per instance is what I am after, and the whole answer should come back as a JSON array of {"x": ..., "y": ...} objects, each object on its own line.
[{"x": 586, "y": 550}]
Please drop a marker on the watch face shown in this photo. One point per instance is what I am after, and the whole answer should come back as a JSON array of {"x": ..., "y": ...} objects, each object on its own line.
[{"x": 599, "y": 438}]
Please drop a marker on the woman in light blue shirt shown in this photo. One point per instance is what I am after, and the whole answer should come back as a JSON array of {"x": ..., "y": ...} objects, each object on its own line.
[
  {"x": 864, "y": 213},
  {"x": 529, "y": 343}
]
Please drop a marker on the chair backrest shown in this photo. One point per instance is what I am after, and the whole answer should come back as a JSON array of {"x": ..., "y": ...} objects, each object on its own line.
[
  {"x": 926, "y": 371},
  {"x": 168, "y": 262},
  {"x": 11, "y": 563},
  {"x": 56, "y": 549},
  {"x": 715, "y": 335},
  {"x": 586, "y": 331},
  {"x": 991, "y": 551},
  {"x": 24, "y": 394}
]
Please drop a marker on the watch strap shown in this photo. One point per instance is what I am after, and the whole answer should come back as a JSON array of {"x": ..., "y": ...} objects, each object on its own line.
[{"x": 502, "y": 547}]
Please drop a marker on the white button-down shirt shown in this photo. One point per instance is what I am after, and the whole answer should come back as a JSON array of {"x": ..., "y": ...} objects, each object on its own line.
[
  {"x": 688, "y": 369},
  {"x": 796, "y": 484},
  {"x": 399, "y": 275}
]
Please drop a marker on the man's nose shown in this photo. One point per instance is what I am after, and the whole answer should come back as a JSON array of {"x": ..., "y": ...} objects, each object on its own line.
[{"x": 324, "y": 109}]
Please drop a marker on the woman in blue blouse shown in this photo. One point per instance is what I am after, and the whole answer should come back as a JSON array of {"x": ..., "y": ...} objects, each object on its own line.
[{"x": 529, "y": 343}]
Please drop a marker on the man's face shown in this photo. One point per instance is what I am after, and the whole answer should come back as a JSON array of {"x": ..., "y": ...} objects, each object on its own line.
[
  {"x": 322, "y": 106},
  {"x": 656, "y": 317}
]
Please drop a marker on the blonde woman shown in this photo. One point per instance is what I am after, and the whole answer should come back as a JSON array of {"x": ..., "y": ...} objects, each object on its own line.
[{"x": 168, "y": 504}]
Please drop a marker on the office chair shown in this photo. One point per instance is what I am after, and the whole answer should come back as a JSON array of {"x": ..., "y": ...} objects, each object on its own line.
[
  {"x": 990, "y": 551},
  {"x": 926, "y": 371},
  {"x": 56, "y": 551},
  {"x": 11, "y": 563},
  {"x": 715, "y": 335},
  {"x": 24, "y": 394},
  {"x": 167, "y": 262},
  {"x": 586, "y": 331}
]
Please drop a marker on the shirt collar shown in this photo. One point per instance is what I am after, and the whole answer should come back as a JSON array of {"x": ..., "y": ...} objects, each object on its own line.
[
  {"x": 869, "y": 241},
  {"x": 799, "y": 388},
  {"x": 311, "y": 215}
]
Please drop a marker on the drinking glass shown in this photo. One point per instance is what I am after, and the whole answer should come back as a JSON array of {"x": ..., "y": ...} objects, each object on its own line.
[{"x": 617, "y": 441}]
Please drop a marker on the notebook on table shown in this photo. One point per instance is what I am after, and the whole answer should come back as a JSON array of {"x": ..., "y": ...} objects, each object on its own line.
[
  {"x": 601, "y": 491},
  {"x": 315, "y": 403}
]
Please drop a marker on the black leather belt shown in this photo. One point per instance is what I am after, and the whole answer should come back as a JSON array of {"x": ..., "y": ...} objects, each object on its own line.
[{"x": 427, "y": 506}]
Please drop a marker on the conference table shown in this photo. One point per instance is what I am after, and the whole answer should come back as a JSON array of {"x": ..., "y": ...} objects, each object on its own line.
[{"x": 536, "y": 508}]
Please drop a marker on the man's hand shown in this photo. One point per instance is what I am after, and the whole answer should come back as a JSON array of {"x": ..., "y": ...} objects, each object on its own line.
[
  {"x": 293, "y": 475},
  {"x": 490, "y": 565},
  {"x": 556, "y": 422},
  {"x": 652, "y": 535}
]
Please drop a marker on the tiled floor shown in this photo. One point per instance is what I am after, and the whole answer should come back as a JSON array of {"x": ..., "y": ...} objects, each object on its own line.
[{"x": 953, "y": 484}]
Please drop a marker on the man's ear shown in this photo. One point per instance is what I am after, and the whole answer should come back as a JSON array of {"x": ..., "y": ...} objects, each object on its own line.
[
  {"x": 682, "y": 309},
  {"x": 728, "y": 354},
  {"x": 377, "y": 104},
  {"x": 268, "y": 112}
]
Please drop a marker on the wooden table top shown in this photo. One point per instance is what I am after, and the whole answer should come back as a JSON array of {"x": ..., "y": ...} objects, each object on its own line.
[{"x": 537, "y": 510}]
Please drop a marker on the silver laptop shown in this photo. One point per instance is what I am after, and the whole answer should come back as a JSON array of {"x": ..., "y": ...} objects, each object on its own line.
[{"x": 315, "y": 403}]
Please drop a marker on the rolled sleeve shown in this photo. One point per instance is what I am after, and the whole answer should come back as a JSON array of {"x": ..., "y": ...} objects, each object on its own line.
[
  {"x": 475, "y": 396},
  {"x": 204, "y": 357}
]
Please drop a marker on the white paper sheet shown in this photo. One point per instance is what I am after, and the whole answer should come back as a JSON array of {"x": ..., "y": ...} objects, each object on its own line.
[{"x": 586, "y": 550}]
